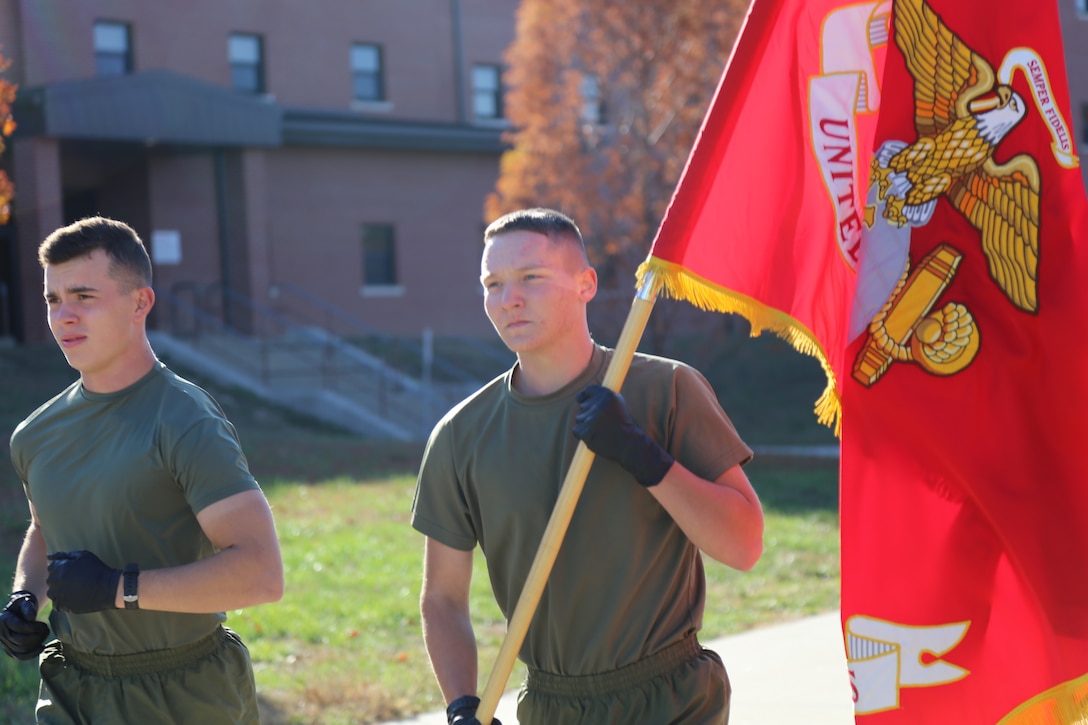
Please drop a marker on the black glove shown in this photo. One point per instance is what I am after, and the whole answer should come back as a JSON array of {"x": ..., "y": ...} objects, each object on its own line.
[
  {"x": 462, "y": 711},
  {"x": 79, "y": 582},
  {"x": 21, "y": 634},
  {"x": 606, "y": 427}
]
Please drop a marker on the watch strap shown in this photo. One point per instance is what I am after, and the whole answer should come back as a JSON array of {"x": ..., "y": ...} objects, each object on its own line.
[{"x": 131, "y": 591}]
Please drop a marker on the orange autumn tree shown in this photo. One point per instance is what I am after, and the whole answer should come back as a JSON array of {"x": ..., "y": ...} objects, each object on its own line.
[
  {"x": 605, "y": 101},
  {"x": 7, "y": 126}
]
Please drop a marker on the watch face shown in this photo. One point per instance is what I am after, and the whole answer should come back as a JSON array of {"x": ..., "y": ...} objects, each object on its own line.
[{"x": 129, "y": 597}]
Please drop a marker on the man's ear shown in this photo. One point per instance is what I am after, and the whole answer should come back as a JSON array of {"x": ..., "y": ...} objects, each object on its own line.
[
  {"x": 145, "y": 300},
  {"x": 587, "y": 285}
]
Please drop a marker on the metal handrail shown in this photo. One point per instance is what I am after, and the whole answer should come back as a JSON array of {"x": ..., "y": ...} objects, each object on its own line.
[
  {"x": 203, "y": 324},
  {"x": 280, "y": 350},
  {"x": 333, "y": 313}
]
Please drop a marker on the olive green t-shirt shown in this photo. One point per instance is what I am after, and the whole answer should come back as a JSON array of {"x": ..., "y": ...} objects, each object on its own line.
[
  {"x": 627, "y": 581},
  {"x": 123, "y": 475}
]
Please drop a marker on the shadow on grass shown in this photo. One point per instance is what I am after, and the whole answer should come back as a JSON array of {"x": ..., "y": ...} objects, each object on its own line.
[
  {"x": 285, "y": 460},
  {"x": 795, "y": 484}
]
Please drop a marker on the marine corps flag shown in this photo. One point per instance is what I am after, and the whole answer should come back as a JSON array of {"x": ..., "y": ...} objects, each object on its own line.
[{"x": 894, "y": 188}]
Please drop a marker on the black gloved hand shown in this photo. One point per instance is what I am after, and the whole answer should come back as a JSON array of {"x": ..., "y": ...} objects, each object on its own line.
[
  {"x": 605, "y": 425},
  {"x": 462, "y": 711},
  {"x": 21, "y": 634},
  {"x": 79, "y": 582}
]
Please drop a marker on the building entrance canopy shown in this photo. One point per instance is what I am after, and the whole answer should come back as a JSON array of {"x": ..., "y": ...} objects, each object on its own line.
[{"x": 152, "y": 107}]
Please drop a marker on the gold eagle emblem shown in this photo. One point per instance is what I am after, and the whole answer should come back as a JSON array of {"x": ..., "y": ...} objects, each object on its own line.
[{"x": 961, "y": 116}]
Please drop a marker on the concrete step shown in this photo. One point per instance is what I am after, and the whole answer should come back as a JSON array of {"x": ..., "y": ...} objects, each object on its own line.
[{"x": 321, "y": 377}]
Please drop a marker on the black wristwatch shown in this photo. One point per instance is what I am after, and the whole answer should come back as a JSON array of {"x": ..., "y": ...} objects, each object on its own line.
[{"x": 131, "y": 592}]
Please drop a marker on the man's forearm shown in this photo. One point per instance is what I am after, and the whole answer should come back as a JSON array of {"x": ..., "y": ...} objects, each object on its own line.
[
  {"x": 30, "y": 567},
  {"x": 234, "y": 578},
  {"x": 723, "y": 518},
  {"x": 451, "y": 647},
  {"x": 247, "y": 569}
]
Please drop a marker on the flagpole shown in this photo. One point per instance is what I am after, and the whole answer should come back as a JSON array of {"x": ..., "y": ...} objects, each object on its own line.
[{"x": 564, "y": 508}]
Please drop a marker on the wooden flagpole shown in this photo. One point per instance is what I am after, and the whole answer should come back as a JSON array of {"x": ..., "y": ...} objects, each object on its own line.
[{"x": 564, "y": 509}]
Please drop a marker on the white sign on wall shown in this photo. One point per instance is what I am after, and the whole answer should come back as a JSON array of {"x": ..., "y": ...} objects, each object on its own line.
[{"x": 166, "y": 246}]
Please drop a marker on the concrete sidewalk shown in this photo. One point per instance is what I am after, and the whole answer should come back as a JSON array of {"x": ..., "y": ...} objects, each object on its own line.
[
  {"x": 782, "y": 675},
  {"x": 790, "y": 673}
]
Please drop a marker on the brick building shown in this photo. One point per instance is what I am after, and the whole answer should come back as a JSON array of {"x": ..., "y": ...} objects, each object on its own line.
[
  {"x": 279, "y": 149},
  {"x": 341, "y": 149}
]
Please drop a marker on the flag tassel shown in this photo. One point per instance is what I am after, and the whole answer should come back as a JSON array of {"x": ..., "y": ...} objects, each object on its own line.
[
  {"x": 677, "y": 282},
  {"x": 1063, "y": 704}
]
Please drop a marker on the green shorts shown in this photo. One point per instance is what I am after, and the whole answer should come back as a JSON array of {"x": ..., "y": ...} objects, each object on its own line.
[
  {"x": 209, "y": 682},
  {"x": 682, "y": 683}
]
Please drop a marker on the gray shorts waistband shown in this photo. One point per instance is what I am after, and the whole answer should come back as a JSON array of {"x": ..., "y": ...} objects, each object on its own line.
[
  {"x": 606, "y": 683},
  {"x": 146, "y": 663}
]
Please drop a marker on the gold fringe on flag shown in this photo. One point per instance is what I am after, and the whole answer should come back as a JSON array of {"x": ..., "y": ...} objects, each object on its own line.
[
  {"x": 1064, "y": 704},
  {"x": 679, "y": 283}
]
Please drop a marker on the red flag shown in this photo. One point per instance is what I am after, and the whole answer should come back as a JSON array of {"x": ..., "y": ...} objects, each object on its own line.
[{"x": 893, "y": 187}]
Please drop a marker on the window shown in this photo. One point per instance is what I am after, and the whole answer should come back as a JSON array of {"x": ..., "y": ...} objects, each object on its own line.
[
  {"x": 366, "y": 72},
  {"x": 487, "y": 91},
  {"x": 112, "y": 48},
  {"x": 246, "y": 62},
  {"x": 593, "y": 111},
  {"x": 1082, "y": 8},
  {"x": 379, "y": 256}
]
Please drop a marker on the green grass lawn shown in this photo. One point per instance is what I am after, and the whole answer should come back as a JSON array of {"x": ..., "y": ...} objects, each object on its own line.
[{"x": 344, "y": 644}]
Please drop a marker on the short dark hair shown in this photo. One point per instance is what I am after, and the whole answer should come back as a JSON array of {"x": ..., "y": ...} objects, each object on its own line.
[
  {"x": 129, "y": 262},
  {"x": 555, "y": 225}
]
